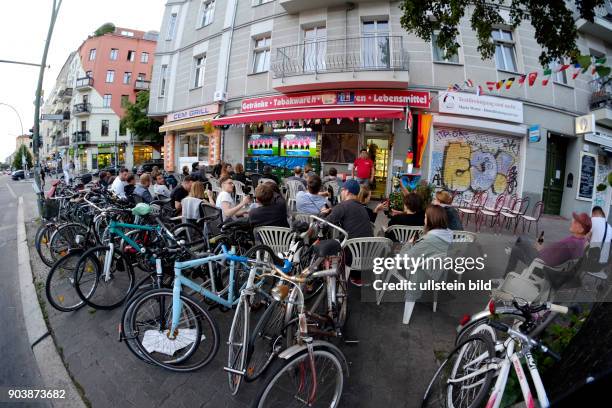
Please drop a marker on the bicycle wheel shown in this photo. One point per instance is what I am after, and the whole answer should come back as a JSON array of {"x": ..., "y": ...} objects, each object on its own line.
[
  {"x": 66, "y": 237},
  {"x": 508, "y": 317},
  {"x": 197, "y": 340},
  {"x": 237, "y": 345},
  {"x": 59, "y": 288},
  {"x": 266, "y": 341},
  {"x": 304, "y": 381},
  {"x": 42, "y": 242},
  {"x": 190, "y": 233},
  {"x": 104, "y": 289},
  {"x": 463, "y": 380},
  {"x": 265, "y": 255}
]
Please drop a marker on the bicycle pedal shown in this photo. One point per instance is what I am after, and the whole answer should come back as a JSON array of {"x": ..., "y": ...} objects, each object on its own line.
[{"x": 233, "y": 371}]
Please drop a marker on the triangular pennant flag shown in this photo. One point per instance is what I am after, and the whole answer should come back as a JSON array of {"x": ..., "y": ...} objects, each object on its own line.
[
  {"x": 490, "y": 85},
  {"x": 532, "y": 78},
  {"x": 601, "y": 60},
  {"x": 593, "y": 70},
  {"x": 500, "y": 84},
  {"x": 563, "y": 67},
  {"x": 456, "y": 87},
  {"x": 317, "y": 121},
  {"x": 362, "y": 120},
  {"x": 338, "y": 120},
  {"x": 468, "y": 83},
  {"x": 521, "y": 79},
  {"x": 479, "y": 90},
  {"x": 576, "y": 70},
  {"x": 509, "y": 82},
  {"x": 327, "y": 121},
  {"x": 547, "y": 72}
]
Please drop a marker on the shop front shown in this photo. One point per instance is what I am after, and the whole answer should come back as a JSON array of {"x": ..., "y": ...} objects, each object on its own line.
[
  {"x": 190, "y": 138},
  {"x": 105, "y": 155},
  {"x": 326, "y": 129}
]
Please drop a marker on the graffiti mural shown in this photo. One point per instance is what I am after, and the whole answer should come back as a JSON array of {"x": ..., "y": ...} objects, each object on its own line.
[{"x": 469, "y": 161}]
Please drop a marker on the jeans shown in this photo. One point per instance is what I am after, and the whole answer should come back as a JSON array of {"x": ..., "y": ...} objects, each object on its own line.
[
  {"x": 524, "y": 251},
  {"x": 364, "y": 181}
]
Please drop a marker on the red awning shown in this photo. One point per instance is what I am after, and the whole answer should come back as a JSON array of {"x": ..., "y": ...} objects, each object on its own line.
[{"x": 312, "y": 113}]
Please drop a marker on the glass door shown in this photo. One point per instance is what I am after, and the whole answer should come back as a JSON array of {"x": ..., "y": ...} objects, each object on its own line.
[
  {"x": 375, "y": 47},
  {"x": 379, "y": 150},
  {"x": 315, "y": 47}
]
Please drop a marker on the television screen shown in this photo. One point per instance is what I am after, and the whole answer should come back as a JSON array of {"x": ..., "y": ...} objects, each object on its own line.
[
  {"x": 299, "y": 144},
  {"x": 262, "y": 145}
]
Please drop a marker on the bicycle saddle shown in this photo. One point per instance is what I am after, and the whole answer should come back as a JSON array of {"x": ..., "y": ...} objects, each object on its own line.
[
  {"x": 161, "y": 201},
  {"x": 328, "y": 247},
  {"x": 141, "y": 209}
]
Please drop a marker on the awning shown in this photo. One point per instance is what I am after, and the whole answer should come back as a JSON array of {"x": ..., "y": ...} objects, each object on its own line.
[
  {"x": 313, "y": 113},
  {"x": 186, "y": 123}
]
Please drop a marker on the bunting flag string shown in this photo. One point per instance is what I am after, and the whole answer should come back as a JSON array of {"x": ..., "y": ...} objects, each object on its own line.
[
  {"x": 521, "y": 79},
  {"x": 547, "y": 73},
  {"x": 509, "y": 82}
]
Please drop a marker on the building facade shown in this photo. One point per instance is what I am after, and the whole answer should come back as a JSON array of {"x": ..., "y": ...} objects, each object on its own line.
[
  {"x": 91, "y": 91},
  {"x": 289, "y": 82}
]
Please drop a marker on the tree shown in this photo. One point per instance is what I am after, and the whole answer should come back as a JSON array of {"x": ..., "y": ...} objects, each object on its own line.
[
  {"x": 136, "y": 120},
  {"x": 553, "y": 21},
  {"x": 104, "y": 28},
  {"x": 17, "y": 163}
]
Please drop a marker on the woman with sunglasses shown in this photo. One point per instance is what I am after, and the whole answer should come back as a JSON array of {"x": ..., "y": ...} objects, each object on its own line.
[{"x": 226, "y": 202}]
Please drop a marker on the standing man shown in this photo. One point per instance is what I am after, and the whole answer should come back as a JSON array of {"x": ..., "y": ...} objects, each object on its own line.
[
  {"x": 66, "y": 169},
  {"x": 118, "y": 186},
  {"x": 364, "y": 167},
  {"x": 601, "y": 233}
]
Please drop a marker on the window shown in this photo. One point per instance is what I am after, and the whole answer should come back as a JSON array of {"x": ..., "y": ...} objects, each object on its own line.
[
  {"x": 558, "y": 77},
  {"x": 375, "y": 47},
  {"x": 199, "y": 64},
  {"x": 127, "y": 77},
  {"x": 124, "y": 100},
  {"x": 110, "y": 76},
  {"x": 141, "y": 77},
  {"x": 261, "y": 55},
  {"x": 315, "y": 47},
  {"x": 89, "y": 74},
  {"x": 106, "y": 102},
  {"x": 114, "y": 54},
  {"x": 144, "y": 57},
  {"x": 194, "y": 145},
  {"x": 438, "y": 53},
  {"x": 122, "y": 128},
  {"x": 92, "y": 54},
  {"x": 127, "y": 33},
  {"x": 208, "y": 12},
  {"x": 105, "y": 126},
  {"x": 162, "y": 81},
  {"x": 505, "y": 57},
  {"x": 131, "y": 55},
  {"x": 171, "y": 26},
  {"x": 85, "y": 98},
  {"x": 83, "y": 126}
]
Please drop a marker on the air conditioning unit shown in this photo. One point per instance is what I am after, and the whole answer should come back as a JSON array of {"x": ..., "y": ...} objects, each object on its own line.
[{"x": 220, "y": 96}]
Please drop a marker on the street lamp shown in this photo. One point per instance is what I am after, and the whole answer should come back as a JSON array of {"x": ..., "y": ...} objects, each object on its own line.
[{"x": 16, "y": 113}]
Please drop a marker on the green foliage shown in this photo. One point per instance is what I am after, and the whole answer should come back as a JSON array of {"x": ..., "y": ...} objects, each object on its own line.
[
  {"x": 610, "y": 178},
  {"x": 426, "y": 192},
  {"x": 136, "y": 120},
  {"x": 17, "y": 164},
  {"x": 601, "y": 187},
  {"x": 553, "y": 21},
  {"x": 104, "y": 28}
]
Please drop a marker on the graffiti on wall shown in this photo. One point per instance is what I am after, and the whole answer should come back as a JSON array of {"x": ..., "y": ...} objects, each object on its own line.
[{"x": 469, "y": 161}]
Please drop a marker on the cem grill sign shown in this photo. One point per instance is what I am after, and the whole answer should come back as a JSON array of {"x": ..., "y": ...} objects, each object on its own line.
[
  {"x": 460, "y": 103},
  {"x": 193, "y": 112},
  {"x": 360, "y": 97}
]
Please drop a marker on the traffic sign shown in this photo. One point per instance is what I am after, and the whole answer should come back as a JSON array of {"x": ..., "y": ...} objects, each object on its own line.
[{"x": 50, "y": 116}]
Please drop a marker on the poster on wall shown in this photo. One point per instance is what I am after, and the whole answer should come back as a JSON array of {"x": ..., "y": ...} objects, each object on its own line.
[
  {"x": 468, "y": 161},
  {"x": 302, "y": 144},
  {"x": 339, "y": 147},
  {"x": 586, "y": 179},
  {"x": 262, "y": 145}
]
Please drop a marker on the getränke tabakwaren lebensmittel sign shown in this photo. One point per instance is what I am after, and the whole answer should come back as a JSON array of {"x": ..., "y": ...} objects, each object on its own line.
[
  {"x": 193, "y": 112},
  {"x": 459, "y": 103},
  {"x": 358, "y": 97}
]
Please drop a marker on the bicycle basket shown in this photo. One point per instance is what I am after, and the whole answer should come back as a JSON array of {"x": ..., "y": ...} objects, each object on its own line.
[{"x": 50, "y": 209}]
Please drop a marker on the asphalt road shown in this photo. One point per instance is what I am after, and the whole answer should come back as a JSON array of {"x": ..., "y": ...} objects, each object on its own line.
[{"x": 18, "y": 367}]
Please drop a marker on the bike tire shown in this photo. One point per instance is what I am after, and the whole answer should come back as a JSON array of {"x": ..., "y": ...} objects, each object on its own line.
[
  {"x": 266, "y": 341},
  {"x": 191, "y": 234},
  {"x": 42, "y": 242},
  {"x": 65, "y": 238},
  {"x": 238, "y": 345},
  {"x": 59, "y": 287}
]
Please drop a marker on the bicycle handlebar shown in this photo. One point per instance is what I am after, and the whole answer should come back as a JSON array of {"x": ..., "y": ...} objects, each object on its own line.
[
  {"x": 525, "y": 339},
  {"x": 334, "y": 226}
]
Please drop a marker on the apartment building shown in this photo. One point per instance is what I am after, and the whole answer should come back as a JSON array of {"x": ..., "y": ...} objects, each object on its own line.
[{"x": 289, "y": 82}]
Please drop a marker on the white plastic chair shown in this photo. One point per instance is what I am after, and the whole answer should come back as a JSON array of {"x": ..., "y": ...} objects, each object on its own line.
[
  {"x": 239, "y": 185},
  {"x": 405, "y": 233},
  {"x": 265, "y": 180},
  {"x": 365, "y": 250},
  {"x": 301, "y": 217},
  {"x": 293, "y": 186},
  {"x": 277, "y": 238}
]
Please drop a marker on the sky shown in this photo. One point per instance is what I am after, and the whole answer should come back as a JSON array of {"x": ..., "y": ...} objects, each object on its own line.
[{"x": 23, "y": 31}]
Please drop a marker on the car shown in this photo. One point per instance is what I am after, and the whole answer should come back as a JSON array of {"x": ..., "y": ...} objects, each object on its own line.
[
  {"x": 109, "y": 169},
  {"x": 17, "y": 175},
  {"x": 147, "y": 167}
]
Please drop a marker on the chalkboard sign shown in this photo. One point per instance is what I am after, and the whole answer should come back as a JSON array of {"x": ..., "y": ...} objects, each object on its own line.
[{"x": 588, "y": 166}]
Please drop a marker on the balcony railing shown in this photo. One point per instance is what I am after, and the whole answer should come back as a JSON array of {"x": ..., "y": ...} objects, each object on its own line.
[
  {"x": 81, "y": 136},
  {"x": 142, "y": 85},
  {"x": 85, "y": 82},
  {"x": 81, "y": 109},
  {"x": 62, "y": 141},
  {"x": 366, "y": 53},
  {"x": 65, "y": 94},
  {"x": 602, "y": 93}
]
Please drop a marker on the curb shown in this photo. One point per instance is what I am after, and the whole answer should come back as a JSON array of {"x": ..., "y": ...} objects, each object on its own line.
[{"x": 50, "y": 364}]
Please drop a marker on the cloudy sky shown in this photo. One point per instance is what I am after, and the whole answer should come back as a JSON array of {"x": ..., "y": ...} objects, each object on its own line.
[{"x": 23, "y": 29}]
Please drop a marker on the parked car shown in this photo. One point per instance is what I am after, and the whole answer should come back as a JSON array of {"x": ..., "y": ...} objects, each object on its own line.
[
  {"x": 147, "y": 167},
  {"x": 108, "y": 169},
  {"x": 19, "y": 174}
]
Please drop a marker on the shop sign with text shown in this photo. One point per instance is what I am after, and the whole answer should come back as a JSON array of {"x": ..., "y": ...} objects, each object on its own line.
[
  {"x": 358, "y": 97},
  {"x": 193, "y": 112},
  {"x": 491, "y": 107}
]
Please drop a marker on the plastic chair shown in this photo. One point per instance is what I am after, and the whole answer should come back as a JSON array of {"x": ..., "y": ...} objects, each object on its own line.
[
  {"x": 364, "y": 250},
  {"x": 277, "y": 238},
  {"x": 300, "y": 217},
  {"x": 404, "y": 233},
  {"x": 293, "y": 186},
  {"x": 538, "y": 209},
  {"x": 239, "y": 188},
  {"x": 265, "y": 180}
]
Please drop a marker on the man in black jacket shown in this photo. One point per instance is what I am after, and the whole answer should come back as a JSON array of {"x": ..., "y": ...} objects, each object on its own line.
[{"x": 272, "y": 210}]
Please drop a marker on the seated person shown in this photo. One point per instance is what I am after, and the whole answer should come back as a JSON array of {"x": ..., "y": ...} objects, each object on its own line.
[
  {"x": 311, "y": 202},
  {"x": 181, "y": 192},
  {"x": 130, "y": 186},
  {"x": 332, "y": 175},
  {"x": 267, "y": 173},
  {"x": 364, "y": 198},
  {"x": 413, "y": 212},
  {"x": 308, "y": 172},
  {"x": 226, "y": 202},
  {"x": 142, "y": 189},
  {"x": 444, "y": 199},
  {"x": 297, "y": 176},
  {"x": 239, "y": 174},
  {"x": 272, "y": 209},
  {"x": 160, "y": 188},
  {"x": 104, "y": 179},
  {"x": 601, "y": 233},
  {"x": 119, "y": 183},
  {"x": 190, "y": 205},
  {"x": 350, "y": 214},
  {"x": 572, "y": 247}
]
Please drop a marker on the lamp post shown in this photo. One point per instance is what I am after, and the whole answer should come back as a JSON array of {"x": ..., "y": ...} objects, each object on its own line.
[{"x": 16, "y": 113}]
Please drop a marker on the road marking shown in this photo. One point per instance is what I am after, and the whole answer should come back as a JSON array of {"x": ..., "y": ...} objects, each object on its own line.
[{"x": 11, "y": 190}]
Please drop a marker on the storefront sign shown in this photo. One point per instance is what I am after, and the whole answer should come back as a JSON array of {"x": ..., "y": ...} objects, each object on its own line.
[
  {"x": 193, "y": 112},
  {"x": 169, "y": 152},
  {"x": 460, "y": 103},
  {"x": 586, "y": 179},
  {"x": 359, "y": 97},
  {"x": 585, "y": 124},
  {"x": 534, "y": 133}
]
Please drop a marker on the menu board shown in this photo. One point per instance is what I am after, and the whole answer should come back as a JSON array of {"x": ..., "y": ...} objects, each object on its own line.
[
  {"x": 299, "y": 144},
  {"x": 262, "y": 145},
  {"x": 588, "y": 167}
]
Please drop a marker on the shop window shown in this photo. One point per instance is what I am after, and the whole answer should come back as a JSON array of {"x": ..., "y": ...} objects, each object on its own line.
[
  {"x": 193, "y": 145},
  {"x": 505, "y": 54}
]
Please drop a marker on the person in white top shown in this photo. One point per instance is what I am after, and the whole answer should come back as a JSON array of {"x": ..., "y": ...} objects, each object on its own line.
[
  {"x": 118, "y": 186},
  {"x": 601, "y": 233},
  {"x": 191, "y": 204},
  {"x": 226, "y": 202},
  {"x": 66, "y": 169},
  {"x": 160, "y": 188}
]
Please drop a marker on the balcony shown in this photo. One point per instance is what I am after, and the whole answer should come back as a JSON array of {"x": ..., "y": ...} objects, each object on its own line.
[
  {"x": 360, "y": 62},
  {"x": 81, "y": 109},
  {"x": 142, "y": 85},
  {"x": 81, "y": 136},
  {"x": 65, "y": 94},
  {"x": 84, "y": 84},
  {"x": 601, "y": 27},
  {"x": 66, "y": 114},
  {"x": 295, "y": 6},
  {"x": 601, "y": 101},
  {"x": 62, "y": 141}
]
